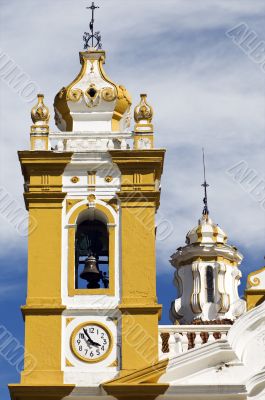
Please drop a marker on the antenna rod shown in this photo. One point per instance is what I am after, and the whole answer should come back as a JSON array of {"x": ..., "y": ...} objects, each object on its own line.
[{"x": 205, "y": 185}]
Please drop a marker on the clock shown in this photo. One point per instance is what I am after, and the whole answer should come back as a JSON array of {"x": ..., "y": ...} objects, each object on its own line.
[{"x": 91, "y": 342}]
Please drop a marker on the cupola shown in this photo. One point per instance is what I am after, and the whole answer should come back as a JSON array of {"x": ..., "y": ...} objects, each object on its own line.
[
  {"x": 207, "y": 274},
  {"x": 92, "y": 102}
]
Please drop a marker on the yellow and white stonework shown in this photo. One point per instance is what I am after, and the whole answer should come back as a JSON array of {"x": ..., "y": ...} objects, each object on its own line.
[
  {"x": 89, "y": 171},
  {"x": 255, "y": 290},
  {"x": 97, "y": 178}
]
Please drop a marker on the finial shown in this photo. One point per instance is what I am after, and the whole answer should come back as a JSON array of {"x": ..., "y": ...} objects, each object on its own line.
[
  {"x": 39, "y": 131},
  {"x": 92, "y": 39},
  {"x": 205, "y": 185},
  {"x": 40, "y": 113},
  {"x": 143, "y": 128},
  {"x": 143, "y": 113}
]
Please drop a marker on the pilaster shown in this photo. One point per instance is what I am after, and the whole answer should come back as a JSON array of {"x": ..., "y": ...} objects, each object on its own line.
[
  {"x": 44, "y": 200},
  {"x": 139, "y": 200}
]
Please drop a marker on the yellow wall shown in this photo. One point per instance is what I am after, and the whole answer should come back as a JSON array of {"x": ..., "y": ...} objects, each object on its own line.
[
  {"x": 139, "y": 200},
  {"x": 44, "y": 198}
]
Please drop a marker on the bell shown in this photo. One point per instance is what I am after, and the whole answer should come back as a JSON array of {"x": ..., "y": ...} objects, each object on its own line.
[{"x": 91, "y": 273}]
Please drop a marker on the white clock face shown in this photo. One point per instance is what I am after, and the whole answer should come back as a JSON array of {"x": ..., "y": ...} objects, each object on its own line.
[{"x": 91, "y": 342}]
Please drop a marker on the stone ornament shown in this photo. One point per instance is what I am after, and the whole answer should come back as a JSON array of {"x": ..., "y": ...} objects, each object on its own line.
[
  {"x": 143, "y": 112},
  {"x": 40, "y": 114}
]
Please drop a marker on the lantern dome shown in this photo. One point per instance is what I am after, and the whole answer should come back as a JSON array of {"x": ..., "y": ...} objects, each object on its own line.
[
  {"x": 206, "y": 232},
  {"x": 92, "y": 102}
]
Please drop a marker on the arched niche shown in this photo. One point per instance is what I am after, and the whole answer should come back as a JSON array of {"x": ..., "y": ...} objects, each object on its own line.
[
  {"x": 91, "y": 234},
  {"x": 210, "y": 284}
]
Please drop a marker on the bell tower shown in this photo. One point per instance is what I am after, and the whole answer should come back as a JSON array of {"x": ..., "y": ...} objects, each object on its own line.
[{"x": 93, "y": 188}]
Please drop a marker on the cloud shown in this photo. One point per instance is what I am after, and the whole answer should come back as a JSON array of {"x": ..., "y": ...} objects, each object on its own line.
[
  {"x": 9, "y": 290},
  {"x": 205, "y": 92}
]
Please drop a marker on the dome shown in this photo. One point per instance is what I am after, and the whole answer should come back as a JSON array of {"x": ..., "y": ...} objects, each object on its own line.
[
  {"x": 206, "y": 232},
  {"x": 92, "y": 102}
]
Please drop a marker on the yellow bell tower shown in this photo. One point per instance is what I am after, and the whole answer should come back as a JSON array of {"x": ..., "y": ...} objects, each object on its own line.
[{"x": 92, "y": 189}]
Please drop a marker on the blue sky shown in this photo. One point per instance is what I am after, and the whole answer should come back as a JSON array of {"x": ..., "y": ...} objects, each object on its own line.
[{"x": 205, "y": 89}]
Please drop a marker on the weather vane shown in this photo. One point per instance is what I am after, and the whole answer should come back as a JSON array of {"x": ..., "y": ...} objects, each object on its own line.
[
  {"x": 92, "y": 39},
  {"x": 205, "y": 185}
]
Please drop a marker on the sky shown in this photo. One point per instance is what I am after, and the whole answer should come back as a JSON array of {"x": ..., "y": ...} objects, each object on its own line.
[{"x": 202, "y": 66}]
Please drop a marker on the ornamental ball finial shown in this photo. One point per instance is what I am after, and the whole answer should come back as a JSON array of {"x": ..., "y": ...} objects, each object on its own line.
[
  {"x": 143, "y": 112},
  {"x": 40, "y": 114}
]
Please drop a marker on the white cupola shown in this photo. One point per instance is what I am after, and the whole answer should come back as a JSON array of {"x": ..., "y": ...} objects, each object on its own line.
[
  {"x": 92, "y": 102},
  {"x": 207, "y": 276}
]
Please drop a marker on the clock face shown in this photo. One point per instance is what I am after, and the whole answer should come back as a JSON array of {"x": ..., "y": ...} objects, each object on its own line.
[{"x": 91, "y": 342}]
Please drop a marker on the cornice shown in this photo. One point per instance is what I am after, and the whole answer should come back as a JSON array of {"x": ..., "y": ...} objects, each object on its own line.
[
  {"x": 40, "y": 392},
  {"x": 133, "y": 159},
  {"x": 205, "y": 252},
  {"x": 144, "y": 196},
  {"x": 140, "y": 309},
  {"x": 44, "y": 156},
  {"x": 42, "y": 309},
  {"x": 40, "y": 162},
  {"x": 144, "y": 375},
  {"x": 44, "y": 199}
]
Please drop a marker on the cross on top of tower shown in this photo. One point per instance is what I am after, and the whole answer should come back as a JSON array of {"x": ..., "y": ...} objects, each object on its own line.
[
  {"x": 92, "y": 39},
  {"x": 204, "y": 185},
  {"x": 92, "y": 7}
]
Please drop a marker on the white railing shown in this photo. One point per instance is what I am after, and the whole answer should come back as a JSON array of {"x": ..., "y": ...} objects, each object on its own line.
[
  {"x": 177, "y": 339},
  {"x": 85, "y": 141}
]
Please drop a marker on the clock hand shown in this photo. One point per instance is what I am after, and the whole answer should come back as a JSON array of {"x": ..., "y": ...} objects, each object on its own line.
[
  {"x": 95, "y": 344},
  {"x": 89, "y": 345},
  {"x": 90, "y": 340},
  {"x": 88, "y": 337},
  {"x": 85, "y": 332}
]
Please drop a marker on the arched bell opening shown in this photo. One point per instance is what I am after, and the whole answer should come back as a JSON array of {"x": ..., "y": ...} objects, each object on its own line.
[{"x": 92, "y": 251}]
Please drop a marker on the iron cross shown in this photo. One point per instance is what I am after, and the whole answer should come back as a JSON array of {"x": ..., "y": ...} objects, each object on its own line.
[
  {"x": 92, "y": 39},
  {"x": 91, "y": 25}
]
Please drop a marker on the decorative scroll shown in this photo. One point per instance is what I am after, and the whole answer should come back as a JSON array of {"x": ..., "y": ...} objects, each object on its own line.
[
  {"x": 195, "y": 297},
  {"x": 225, "y": 298},
  {"x": 108, "y": 94},
  {"x": 74, "y": 95}
]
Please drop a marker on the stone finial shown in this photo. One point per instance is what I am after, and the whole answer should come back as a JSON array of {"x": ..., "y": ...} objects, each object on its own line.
[
  {"x": 40, "y": 114},
  {"x": 143, "y": 113},
  {"x": 39, "y": 132}
]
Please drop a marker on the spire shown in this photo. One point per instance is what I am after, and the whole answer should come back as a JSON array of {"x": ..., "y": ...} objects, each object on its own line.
[
  {"x": 92, "y": 39},
  {"x": 205, "y": 210}
]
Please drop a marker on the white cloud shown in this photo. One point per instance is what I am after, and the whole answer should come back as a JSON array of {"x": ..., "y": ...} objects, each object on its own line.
[{"x": 204, "y": 89}]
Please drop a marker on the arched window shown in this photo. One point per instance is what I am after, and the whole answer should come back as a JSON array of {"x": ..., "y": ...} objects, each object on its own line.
[
  {"x": 210, "y": 284},
  {"x": 91, "y": 254}
]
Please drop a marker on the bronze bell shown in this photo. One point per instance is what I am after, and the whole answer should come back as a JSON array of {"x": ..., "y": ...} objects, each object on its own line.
[{"x": 91, "y": 273}]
